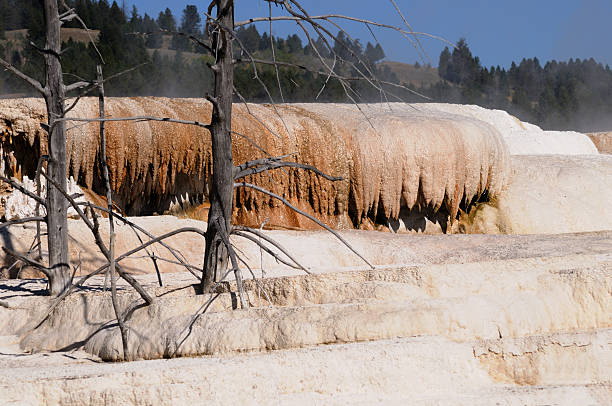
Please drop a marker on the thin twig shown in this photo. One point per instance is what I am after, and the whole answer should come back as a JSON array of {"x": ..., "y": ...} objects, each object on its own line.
[
  {"x": 22, "y": 221},
  {"x": 43, "y": 268},
  {"x": 280, "y": 88},
  {"x": 37, "y": 208},
  {"x": 348, "y": 18},
  {"x": 94, "y": 229},
  {"x": 270, "y": 240},
  {"x": 23, "y": 190},
  {"x": 292, "y": 207}
]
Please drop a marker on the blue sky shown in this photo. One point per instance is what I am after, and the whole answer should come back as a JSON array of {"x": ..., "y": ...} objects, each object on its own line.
[{"x": 498, "y": 31}]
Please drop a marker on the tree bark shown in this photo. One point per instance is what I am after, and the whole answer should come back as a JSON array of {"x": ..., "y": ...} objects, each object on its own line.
[
  {"x": 57, "y": 223},
  {"x": 221, "y": 197}
]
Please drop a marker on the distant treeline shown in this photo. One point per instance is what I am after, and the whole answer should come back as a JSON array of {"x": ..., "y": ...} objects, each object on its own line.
[
  {"x": 575, "y": 94},
  {"x": 559, "y": 95},
  {"x": 177, "y": 67}
]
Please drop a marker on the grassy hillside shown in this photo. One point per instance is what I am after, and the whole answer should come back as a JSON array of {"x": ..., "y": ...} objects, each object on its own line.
[{"x": 410, "y": 74}]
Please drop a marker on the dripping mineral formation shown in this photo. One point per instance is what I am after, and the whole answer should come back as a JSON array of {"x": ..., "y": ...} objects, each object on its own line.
[
  {"x": 404, "y": 167},
  {"x": 390, "y": 157}
]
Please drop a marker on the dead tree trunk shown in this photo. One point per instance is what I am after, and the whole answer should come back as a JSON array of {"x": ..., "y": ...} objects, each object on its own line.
[
  {"x": 221, "y": 198},
  {"x": 57, "y": 224}
]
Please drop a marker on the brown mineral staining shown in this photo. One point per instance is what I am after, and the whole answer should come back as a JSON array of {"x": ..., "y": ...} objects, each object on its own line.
[
  {"x": 603, "y": 141},
  {"x": 390, "y": 157}
]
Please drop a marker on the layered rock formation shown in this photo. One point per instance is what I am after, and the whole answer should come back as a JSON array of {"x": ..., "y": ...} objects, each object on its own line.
[{"x": 479, "y": 320}]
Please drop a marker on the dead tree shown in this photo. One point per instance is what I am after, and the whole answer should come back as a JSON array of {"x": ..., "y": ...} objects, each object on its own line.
[
  {"x": 53, "y": 91},
  {"x": 222, "y": 193},
  {"x": 57, "y": 220},
  {"x": 219, "y": 253},
  {"x": 220, "y": 28}
]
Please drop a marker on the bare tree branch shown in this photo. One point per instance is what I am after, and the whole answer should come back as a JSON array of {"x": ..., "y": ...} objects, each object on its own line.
[
  {"x": 39, "y": 168},
  {"x": 326, "y": 17},
  {"x": 250, "y": 141},
  {"x": 23, "y": 190},
  {"x": 239, "y": 230},
  {"x": 137, "y": 229},
  {"x": 292, "y": 207},
  {"x": 418, "y": 46},
  {"x": 259, "y": 287},
  {"x": 161, "y": 238},
  {"x": 195, "y": 40},
  {"x": 43, "y": 268},
  {"x": 267, "y": 250},
  {"x": 251, "y": 168},
  {"x": 94, "y": 229},
  {"x": 137, "y": 119},
  {"x": 260, "y": 121},
  {"x": 32, "y": 82},
  {"x": 233, "y": 259},
  {"x": 92, "y": 85},
  {"x": 280, "y": 88},
  {"x": 70, "y": 14},
  {"x": 22, "y": 221}
]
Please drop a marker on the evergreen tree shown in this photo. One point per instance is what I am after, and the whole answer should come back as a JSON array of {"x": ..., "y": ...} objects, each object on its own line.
[
  {"x": 444, "y": 63},
  {"x": 264, "y": 42},
  {"x": 341, "y": 46},
  {"x": 374, "y": 53},
  {"x": 380, "y": 53},
  {"x": 249, "y": 38},
  {"x": 190, "y": 25},
  {"x": 191, "y": 21},
  {"x": 575, "y": 94},
  {"x": 4, "y": 10},
  {"x": 154, "y": 38},
  {"x": 166, "y": 20},
  {"x": 294, "y": 44},
  {"x": 322, "y": 48},
  {"x": 135, "y": 24},
  {"x": 33, "y": 18},
  {"x": 463, "y": 68}
]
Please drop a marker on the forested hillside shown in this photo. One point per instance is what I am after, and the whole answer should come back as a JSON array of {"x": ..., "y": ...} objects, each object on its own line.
[
  {"x": 576, "y": 94},
  {"x": 176, "y": 66},
  {"x": 557, "y": 95}
]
